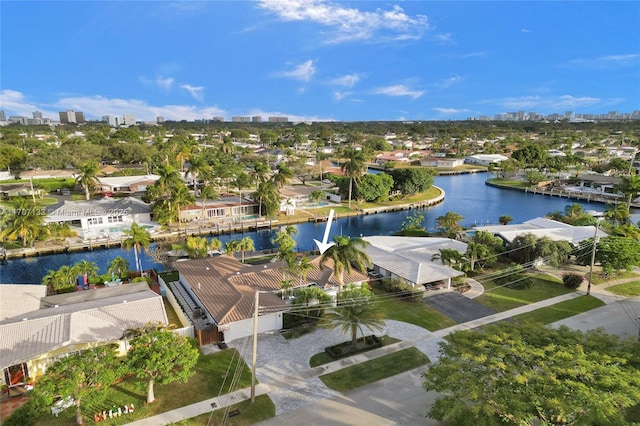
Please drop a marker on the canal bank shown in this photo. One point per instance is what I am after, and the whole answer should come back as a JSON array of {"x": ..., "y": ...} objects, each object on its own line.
[{"x": 75, "y": 244}]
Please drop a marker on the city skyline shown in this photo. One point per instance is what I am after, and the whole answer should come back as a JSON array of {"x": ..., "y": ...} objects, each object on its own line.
[{"x": 318, "y": 61}]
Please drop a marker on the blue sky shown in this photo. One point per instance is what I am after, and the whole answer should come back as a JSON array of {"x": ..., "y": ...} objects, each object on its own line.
[{"x": 319, "y": 60}]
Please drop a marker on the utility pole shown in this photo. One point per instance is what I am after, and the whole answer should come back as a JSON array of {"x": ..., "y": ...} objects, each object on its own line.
[
  {"x": 593, "y": 256},
  {"x": 255, "y": 347}
]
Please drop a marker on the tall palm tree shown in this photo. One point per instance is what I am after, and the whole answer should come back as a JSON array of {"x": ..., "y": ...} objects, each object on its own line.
[
  {"x": 180, "y": 197},
  {"x": 259, "y": 172},
  {"x": 118, "y": 266},
  {"x": 88, "y": 177},
  {"x": 303, "y": 267},
  {"x": 354, "y": 167},
  {"x": 245, "y": 245},
  {"x": 346, "y": 254},
  {"x": 449, "y": 225},
  {"x": 138, "y": 238},
  {"x": 282, "y": 176},
  {"x": 207, "y": 192},
  {"x": 630, "y": 186},
  {"x": 86, "y": 267},
  {"x": 353, "y": 314},
  {"x": 232, "y": 247},
  {"x": 268, "y": 198},
  {"x": 196, "y": 247}
]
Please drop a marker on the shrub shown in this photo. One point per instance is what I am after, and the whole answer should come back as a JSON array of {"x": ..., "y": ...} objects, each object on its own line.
[
  {"x": 572, "y": 281},
  {"x": 401, "y": 289},
  {"x": 345, "y": 349}
]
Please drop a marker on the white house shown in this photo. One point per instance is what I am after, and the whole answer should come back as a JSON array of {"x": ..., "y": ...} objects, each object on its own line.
[
  {"x": 543, "y": 227},
  {"x": 485, "y": 159},
  {"x": 409, "y": 258},
  {"x": 101, "y": 218}
]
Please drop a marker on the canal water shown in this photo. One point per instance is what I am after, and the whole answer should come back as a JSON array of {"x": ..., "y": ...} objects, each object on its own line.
[{"x": 466, "y": 194}]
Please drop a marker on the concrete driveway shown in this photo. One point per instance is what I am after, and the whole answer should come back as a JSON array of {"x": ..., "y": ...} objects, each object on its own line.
[{"x": 458, "y": 307}]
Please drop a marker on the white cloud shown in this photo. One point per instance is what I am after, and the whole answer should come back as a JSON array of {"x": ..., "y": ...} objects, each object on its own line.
[
  {"x": 195, "y": 91},
  {"x": 97, "y": 106},
  {"x": 552, "y": 103},
  {"x": 160, "y": 81},
  {"x": 447, "y": 82},
  {"x": 450, "y": 111},
  {"x": 16, "y": 103},
  {"x": 610, "y": 61},
  {"x": 339, "y": 96},
  {"x": 524, "y": 30},
  {"x": 302, "y": 72},
  {"x": 348, "y": 80},
  {"x": 398, "y": 90},
  {"x": 348, "y": 24}
]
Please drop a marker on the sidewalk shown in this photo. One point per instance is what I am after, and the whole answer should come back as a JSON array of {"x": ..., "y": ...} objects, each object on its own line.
[{"x": 427, "y": 342}]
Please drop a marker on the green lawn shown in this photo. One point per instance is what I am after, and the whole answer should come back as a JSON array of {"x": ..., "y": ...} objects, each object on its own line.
[
  {"x": 601, "y": 278},
  {"x": 502, "y": 298},
  {"x": 376, "y": 369},
  {"x": 416, "y": 313},
  {"x": 323, "y": 358},
  {"x": 250, "y": 414},
  {"x": 561, "y": 310},
  {"x": 211, "y": 373},
  {"x": 627, "y": 289},
  {"x": 512, "y": 183}
]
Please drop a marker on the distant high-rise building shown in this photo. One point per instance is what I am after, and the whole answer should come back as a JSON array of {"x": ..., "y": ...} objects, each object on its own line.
[
  {"x": 159, "y": 119},
  {"x": 3, "y": 116},
  {"x": 218, "y": 119},
  {"x": 239, "y": 119},
  {"x": 256, "y": 119},
  {"x": 278, "y": 119},
  {"x": 37, "y": 114},
  {"x": 71, "y": 116},
  {"x": 129, "y": 120},
  {"x": 110, "y": 120}
]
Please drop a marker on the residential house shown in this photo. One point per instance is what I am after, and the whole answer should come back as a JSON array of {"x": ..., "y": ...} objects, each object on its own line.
[
  {"x": 410, "y": 259},
  {"x": 46, "y": 174},
  {"x": 72, "y": 322},
  {"x": 218, "y": 293},
  {"x": 543, "y": 227},
  {"x": 485, "y": 159},
  {"x": 100, "y": 218},
  {"x": 126, "y": 184},
  {"x": 226, "y": 209},
  {"x": 392, "y": 157},
  {"x": 444, "y": 162},
  {"x": 10, "y": 190}
]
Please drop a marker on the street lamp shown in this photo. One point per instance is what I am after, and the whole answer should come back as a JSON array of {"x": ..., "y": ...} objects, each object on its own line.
[{"x": 593, "y": 250}]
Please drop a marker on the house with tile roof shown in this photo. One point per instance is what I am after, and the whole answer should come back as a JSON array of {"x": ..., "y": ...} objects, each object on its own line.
[
  {"x": 409, "y": 259},
  {"x": 72, "y": 322},
  {"x": 218, "y": 293}
]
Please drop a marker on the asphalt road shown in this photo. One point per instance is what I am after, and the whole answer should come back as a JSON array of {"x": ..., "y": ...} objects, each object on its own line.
[
  {"x": 458, "y": 307},
  {"x": 397, "y": 400}
]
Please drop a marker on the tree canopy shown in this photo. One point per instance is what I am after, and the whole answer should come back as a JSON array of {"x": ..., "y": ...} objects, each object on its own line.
[{"x": 524, "y": 373}]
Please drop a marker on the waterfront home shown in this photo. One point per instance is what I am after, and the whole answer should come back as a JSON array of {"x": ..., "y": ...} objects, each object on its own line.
[
  {"x": 441, "y": 162},
  {"x": 543, "y": 227},
  {"x": 226, "y": 209},
  {"x": 218, "y": 294},
  {"x": 485, "y": 159},
  {"x": 72, "y": 322},
  {"x": 410, "y": 259},
  {"x": 101, "y": 218}
]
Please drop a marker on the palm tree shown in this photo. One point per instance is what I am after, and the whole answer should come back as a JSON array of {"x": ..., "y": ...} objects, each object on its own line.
[
  {"x": 232, "y": 247},
  {"x": 180, "y": 197},
  {"x": 282, "y": 176},
  {"x": 22, "y": 223},
  {"x": 346, "y": 254},
  {"x": 245, "y": 245},
  {"x": 353, "y": 314},
  {"x": 630, "y": 186},
  {"x": 302, "y": 268},
  {"x": 88, "y": 177},
  {"x": 260, "y": 172},
  {"x": 215, "y": 244},
  {"x": 268, "y": 198},
  {"x": 118, "y": 266},
  {"x": 86, "y": 267},
  {"x": 207, "y": 192},
  {"x": 196, "y": 247},
  {"x": 353, "y": 167},
  {"x": 504, "y": 220},
  {"x": 138, "y": 239},
  {"x": 619, "y": 213},
  {"x": 449, "y": 225}
]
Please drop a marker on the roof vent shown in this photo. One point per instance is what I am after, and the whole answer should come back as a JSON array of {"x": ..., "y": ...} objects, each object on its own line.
[
  {"x": 124, "y": 301},
  {"x": 24, "y": 319},
  {"x": 56, "y": 306}
]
